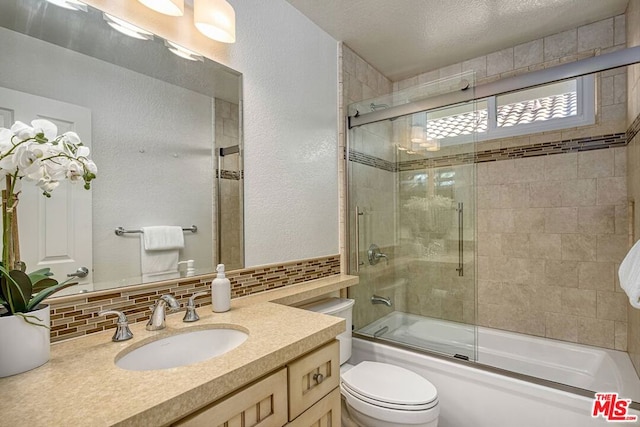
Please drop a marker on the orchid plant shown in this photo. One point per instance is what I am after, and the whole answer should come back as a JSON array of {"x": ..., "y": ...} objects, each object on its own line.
[{"x": 39, "y": 155}]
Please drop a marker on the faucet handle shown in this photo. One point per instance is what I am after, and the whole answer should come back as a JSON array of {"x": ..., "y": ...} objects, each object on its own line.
[
  {"x": 191, "y": 315},
  {"x": 122, "y": 332}
]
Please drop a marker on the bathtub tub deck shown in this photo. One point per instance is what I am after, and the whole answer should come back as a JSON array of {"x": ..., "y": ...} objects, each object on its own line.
[{"x": 585, "y": 367}]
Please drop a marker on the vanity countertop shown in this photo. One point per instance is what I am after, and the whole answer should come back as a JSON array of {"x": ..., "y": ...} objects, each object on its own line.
[{"x": 81, "y": 385}]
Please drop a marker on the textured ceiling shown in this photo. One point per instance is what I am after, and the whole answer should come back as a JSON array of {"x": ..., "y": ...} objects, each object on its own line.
[{"x": 402, "y": 38}]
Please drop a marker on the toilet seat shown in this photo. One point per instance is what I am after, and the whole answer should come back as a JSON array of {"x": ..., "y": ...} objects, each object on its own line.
[
  {"x": 390, "y": 393},
  {"x": 390, "y": 386}
]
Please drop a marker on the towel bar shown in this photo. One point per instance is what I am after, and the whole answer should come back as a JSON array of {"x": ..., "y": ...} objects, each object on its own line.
[{"x": 120, "y": 230}]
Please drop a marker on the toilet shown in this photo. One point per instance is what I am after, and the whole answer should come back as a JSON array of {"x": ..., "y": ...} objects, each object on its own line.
[{"x": 378, "y": 394}]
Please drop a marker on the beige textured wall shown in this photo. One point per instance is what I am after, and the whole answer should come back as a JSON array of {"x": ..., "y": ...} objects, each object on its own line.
[{"x": 633, "y": 162}]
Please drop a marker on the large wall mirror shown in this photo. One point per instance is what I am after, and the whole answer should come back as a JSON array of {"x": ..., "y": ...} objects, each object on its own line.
[{"x": 164, "y": 129}]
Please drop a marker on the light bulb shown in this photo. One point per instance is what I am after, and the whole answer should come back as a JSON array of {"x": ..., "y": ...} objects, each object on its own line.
[
  {"x": 166, "y": 7},
  {"x": 215, "y": 19}
]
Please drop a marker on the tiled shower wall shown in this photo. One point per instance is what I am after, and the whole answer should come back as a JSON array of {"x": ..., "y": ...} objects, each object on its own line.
[
  {"x": 552, "y": 229},
  {"x": 226, "y": 132},
  {"x": 633, "y": 161}
]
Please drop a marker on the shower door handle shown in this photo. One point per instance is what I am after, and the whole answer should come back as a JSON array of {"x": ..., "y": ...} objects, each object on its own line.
[
  {"x": 356, "y": 226},
  {"x": 460, "y": 211}
]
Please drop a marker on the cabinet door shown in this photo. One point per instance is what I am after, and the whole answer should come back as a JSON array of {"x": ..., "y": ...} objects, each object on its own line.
[
  {"x": 325, "y": 413},
  {"x": 262, "y": 404},
  {"x": 312, "y": 377}
]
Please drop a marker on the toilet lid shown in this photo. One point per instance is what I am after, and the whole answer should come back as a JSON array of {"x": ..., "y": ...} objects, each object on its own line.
[{"x": 389, "y": 384}]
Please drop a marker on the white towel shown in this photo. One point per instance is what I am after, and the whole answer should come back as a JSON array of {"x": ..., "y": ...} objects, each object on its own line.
[
  {"x": 159, "y": 250},
  {"x": 629, "y": 274},
  {"x": 163, "y": 237}
]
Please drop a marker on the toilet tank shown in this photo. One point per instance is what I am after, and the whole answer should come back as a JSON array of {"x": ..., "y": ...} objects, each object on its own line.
[{"x": 340, "y": 307}]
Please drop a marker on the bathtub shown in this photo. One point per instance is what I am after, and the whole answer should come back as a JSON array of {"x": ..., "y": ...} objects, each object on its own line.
[{"x": 477, "y": 395}]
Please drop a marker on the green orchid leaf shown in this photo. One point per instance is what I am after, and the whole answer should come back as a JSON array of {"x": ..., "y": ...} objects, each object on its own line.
[
  {"x": 43, "y": 271},
  {"x": 21, "y": 299},
  {"x": 37, "y": 299},
  {"x": 43, "y": 283}
]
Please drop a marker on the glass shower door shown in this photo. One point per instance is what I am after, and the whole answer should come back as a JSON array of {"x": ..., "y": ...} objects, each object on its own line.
[{"x": 416, "y": 205}]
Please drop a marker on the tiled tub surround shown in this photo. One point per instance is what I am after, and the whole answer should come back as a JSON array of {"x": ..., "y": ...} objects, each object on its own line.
[
  {"x": 77, "y": 315},
  {"x": 277, "y": 334}
]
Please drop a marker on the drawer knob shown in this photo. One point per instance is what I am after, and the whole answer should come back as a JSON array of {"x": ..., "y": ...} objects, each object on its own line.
[{"x": 318, "y": 377}]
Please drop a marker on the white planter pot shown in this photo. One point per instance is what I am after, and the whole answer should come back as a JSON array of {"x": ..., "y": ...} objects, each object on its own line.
[{"x": 24, "y": 346}]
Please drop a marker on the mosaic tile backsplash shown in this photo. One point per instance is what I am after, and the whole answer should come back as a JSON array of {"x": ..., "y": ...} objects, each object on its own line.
[{"x": 76, "y": 316}]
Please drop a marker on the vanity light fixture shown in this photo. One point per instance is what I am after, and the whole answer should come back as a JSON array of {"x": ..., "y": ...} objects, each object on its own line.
[
  {"x": 432, "y": 144},
  {"x": 166, "y": 7},
  {"x": 183, "y": 52},
  {"x": 418, "y": 134},
  {"x": 215, "y": 19},
  {"x": 126, "y": 28},
  {"x": 70, "y": 4}
]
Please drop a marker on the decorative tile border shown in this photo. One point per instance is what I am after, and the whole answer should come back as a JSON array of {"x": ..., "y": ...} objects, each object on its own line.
[
  {"x": 376, "y": 162},
  {"x": 541, "y": 149},
  {"x": 77, "y": 315},
  {"x": 232, "y": 175}
]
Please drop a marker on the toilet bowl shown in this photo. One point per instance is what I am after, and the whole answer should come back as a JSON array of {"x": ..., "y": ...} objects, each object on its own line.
[{"x": 378, "y": 394}]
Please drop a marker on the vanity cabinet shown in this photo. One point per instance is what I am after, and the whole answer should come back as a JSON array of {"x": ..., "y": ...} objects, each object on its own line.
[{"x": 304, "y": 393}]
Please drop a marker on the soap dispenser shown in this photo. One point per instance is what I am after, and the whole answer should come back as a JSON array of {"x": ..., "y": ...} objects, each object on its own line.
[{"x": 220, "y": 291}]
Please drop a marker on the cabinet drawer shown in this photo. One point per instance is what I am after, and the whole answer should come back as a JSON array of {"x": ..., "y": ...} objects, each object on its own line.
[
  {"x": 325, "y": 413},
  {"x": 312, "y": 377},
  {"x": 262, "y": 404}
]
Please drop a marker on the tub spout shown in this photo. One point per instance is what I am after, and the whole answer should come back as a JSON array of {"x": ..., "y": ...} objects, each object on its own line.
[{"x": 376, "y": 299}]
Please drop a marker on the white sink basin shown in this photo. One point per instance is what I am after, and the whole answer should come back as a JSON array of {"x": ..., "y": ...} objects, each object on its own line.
[{"x": 181, "y": 349}]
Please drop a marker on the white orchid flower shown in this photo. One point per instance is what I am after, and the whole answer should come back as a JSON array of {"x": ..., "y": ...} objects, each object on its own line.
[
  {"x": 74, "y": 171},
  {"x": 22, "y": 131},
  {"x": 25, "y": 160},
  {"x": 47, "y": 184},
  {"x": 49, "y": 130},
  {"x": 5, "y": 140},
  {"x": 91, "y": 166}
]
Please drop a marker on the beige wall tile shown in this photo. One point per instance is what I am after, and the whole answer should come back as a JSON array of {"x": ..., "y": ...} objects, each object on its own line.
[
  {"x": 545, "y": 246},
  {"x": 579, "y": 302},
  {"x": 596, "y": 36},
  {"x": 499, "y": 62},
  {"x": 619, "y": 30},
  {"x": 606, "y": 91},
  {"x": 579, "y": 192},
  {"x": 579, "y": 247},
  {"x": 612, "y": 247},
  {"x": 561, "y": 220},
  {"x": 561, "y": 273},
  {"x": 620, "y": 161},
  {"x": 511, "y": 318},
  {"x": 611, "y": 191},
  {"x": 596, "y": 219},
  {"x": 478, "y": 65},
  {"x": 526, "y": 170},
  {"x": 529, "y": 220},
  {"x": 514, "y": 196},
  {"x": 596, "y": 275},
  {"x": 622, "y": 219},
  {"x": 595, "y": 164},
  {"x": 561, "y": 44},
  {"x": 489, "y": 244},
  {"x": 561, "y": 167},
  {"x": 596, "y": 332},
  {"x": 499, "y": 220},
  {"x": 527, "y": 54},
  {"x": 561, "y": 327},
  {"x": 621, "y": 336},
  {"x": 488, "y": 196},
  {"x": 515, "y": 245},
  {"x": 545, "y": 194},
  {"x": 612, "y": 306}
]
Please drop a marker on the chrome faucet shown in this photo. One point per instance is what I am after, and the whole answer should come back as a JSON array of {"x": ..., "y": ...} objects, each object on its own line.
[
  {"x": 190, "y": 315},
  {"x": 376, "y": 299},
  {"x": 122, "y": 332},
  {"x": 157, "y": 320}
]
